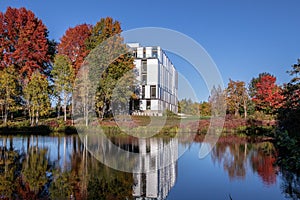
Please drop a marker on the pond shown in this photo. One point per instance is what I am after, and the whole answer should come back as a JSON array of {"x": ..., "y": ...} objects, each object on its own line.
[{"x": 43, "y": 167}]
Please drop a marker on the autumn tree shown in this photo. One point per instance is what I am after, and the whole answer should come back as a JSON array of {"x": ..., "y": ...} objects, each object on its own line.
[
  {"x": 205, "y": 108},
  {"x": 110, "y": 58},
  {"x": 23, "y": 42},
  {"x": 9, "y": 91},
  {"x": 73, "y": 44},
  {"x": 252, "y": 85},
  {"x": 236, "y": 97},
  {"x": 185, "y": 106},
  {"x": 268, "y": 96},
  {"x": 63, "y": 76},
  {"x": 36, "y": 93},
  {"x": 217, "y": 100},
  {"x": 105, "y": 28}
]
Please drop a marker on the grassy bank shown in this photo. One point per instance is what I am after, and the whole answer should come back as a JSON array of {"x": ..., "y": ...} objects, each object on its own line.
[{"x": 142, "y": 126}]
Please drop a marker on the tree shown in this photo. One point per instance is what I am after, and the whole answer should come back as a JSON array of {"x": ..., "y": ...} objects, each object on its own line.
[
  {"x": 217, "y": 100},
  {"x": 236, "y": 97},
  {"x": 36, "y": 93},
  {"x": 73, "y": 44},
  {"x": 205, "y": 109},
  {"x": 185, "y": 106},
  {"x": 252, "y": 85},
  {"x": 63, "y": 76},
  {"x": 110, "y": 60},
  {"x": 268, "y": 96},
  {"x": 104, "y": 29},
  {"x": 9, "y": 91},
  {"x": 23, "y": 42},
  {"x": 289, "y": 113}
]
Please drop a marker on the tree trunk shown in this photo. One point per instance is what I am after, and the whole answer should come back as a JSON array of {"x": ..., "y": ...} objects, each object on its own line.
[
  {"x": 5, "y": 114},
  {"x": 37, "y": 118},
  {"x": 236, "y": 111},
  {"x": 11, "y": 143},
  {"x": 245, "y": 109},
  {"x": 2, "y": 110},
  {"x": 65, "y": 106},
  {"x": 72, "y": 111}
]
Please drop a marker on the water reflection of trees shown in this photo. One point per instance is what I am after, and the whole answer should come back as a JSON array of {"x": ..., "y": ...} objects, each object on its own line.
[
  {"x": 290, "y": 185},
  {"x": 236, "y": 158},
  {"x": 23, "y": 176},
  {"x": 29, "y": 173}
]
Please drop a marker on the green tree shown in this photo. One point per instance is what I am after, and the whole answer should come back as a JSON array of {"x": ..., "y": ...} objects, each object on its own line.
[
  {"x": 36, "y": 93},
  {"x": 289, "y": 113},
  {"x": 63, "y": 76},
  {"x": 110, "y": 59},
  {"x": 9, "y": 90}
]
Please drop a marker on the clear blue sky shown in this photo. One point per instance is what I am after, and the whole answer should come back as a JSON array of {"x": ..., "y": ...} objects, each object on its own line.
[{"x": 244, "y": 38}]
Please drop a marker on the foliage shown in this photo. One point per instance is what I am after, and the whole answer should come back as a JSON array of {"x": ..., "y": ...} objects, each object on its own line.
[
  {"x": 73, "y": 44},
  {"x": 217, "y": 100},
  {"x": 289, "y": 114},
  {"x": 9, "y": 90},
  {"x": 252, "y": 85},
  {"x": 63, "y": 76},
  {"x": 24, "y": 43},
  {"x": 205, "y": 109},
  {"x": 34, "y": 169},
  {"x": 268, "y": 96},
  {"x": 109, "y": 62},
  {"x": 236, "y": 97},
  {"x": 37, "y": 96},
  {"x": 187, "y": 106},
  {"x": 289, "y": 152}
]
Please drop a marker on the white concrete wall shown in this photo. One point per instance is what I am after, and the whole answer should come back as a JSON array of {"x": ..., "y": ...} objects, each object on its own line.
[
  {"x": 154, "y": 105},
  {"x": 152, "y": 71},
  {"x": 147, "y": 91}
]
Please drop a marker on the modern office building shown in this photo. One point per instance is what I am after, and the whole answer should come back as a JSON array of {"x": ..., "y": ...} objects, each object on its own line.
[
  {"x": 158, "y": 80},
  {"x": 159, "y": 159}
]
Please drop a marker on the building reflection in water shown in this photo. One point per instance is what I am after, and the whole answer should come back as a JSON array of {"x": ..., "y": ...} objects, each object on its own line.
[
  {"x": 70, "y": 170},
  {"x": 160, "y": 163}
]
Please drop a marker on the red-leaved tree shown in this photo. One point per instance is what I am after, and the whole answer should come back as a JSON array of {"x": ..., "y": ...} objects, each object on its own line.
[
  {"x": 72, "y": 44},
  {"x": 268, "y": 95},
  {"x": 23, "y": 41}
]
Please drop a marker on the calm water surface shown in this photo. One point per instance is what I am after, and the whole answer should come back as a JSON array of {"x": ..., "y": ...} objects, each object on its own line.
[{"x": 40, "y": 167}]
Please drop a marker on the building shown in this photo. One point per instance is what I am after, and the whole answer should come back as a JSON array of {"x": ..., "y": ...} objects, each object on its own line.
[
  {"x": 158, "y": 80},
  {"x": 159, "y": 160}
]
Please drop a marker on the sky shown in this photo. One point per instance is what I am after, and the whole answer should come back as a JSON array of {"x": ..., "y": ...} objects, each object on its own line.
[{"x": 244, "y": 38}]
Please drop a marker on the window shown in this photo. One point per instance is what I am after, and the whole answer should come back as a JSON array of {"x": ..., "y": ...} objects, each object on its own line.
[
  {"x": 144, "y": 52},
  {"x": 144, "y": 72},
  {"x": 134, "y": 54},
  {"x": 148, "y": 105},
  {"x": 144, "y": 79},
  {"x": 153, "y": 91},
  {"x": 143, "y": 92},
  {"x": 154, "y": 52},
  {"x": 144, "y": 66}
]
